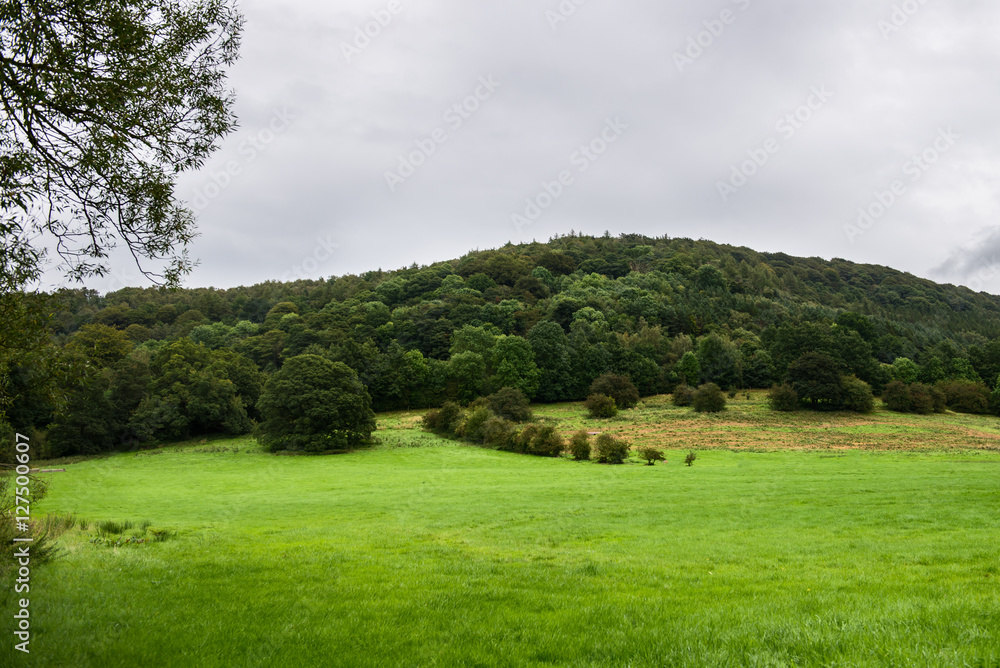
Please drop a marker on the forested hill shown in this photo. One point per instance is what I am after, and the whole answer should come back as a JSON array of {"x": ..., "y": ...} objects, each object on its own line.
[{"x": 545, "y": 317}]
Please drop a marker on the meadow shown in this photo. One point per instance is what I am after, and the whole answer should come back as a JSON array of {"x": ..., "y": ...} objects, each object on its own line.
[{"x": 793, "y": 540}]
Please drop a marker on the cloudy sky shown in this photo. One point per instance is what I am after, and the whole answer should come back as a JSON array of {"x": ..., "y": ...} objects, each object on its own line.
[{"x": 379, "y": 134}]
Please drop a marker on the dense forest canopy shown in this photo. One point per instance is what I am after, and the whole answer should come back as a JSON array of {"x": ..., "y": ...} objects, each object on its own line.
[{"x": 139, "y": 365}]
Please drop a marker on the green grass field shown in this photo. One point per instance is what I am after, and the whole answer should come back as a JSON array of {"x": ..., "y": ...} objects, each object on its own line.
[{"x": 801, "y": 540}]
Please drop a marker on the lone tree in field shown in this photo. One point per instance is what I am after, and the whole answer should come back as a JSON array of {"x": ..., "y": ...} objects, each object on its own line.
[
  {"x": 314, "y": 405},
  {"x": 816, "y": 378}
]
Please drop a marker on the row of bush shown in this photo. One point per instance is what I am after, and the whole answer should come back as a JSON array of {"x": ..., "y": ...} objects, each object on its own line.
[{"x": 502, "y": 421}]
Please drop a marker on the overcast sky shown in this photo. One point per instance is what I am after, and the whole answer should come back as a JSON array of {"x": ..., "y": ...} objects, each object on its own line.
[{"x": 770, "y": 124}]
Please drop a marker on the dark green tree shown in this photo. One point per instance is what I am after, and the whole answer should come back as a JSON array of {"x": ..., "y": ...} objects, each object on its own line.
[
  {"x": 314, "y": 405},
  {"x": 618, "y": 387},
  {"x": 816, "y": 378}
]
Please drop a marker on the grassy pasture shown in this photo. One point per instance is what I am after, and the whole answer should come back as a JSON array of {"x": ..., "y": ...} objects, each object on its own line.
[{"x": 794, "y": 540}]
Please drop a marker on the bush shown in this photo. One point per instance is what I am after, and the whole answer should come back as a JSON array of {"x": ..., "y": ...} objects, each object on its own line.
[
  {"x": 966, "y": 396},
  {"x": 619, "y": 388},
  {"x": 857, "y": 395},
  {"x": 651, "y": 455},
  {"x": 471, "y": 427},
  {"x": 921, "y": 398},
  {"x": 914, "y": 398},
  {"x": 546, "y": 442},
  {"x": 709, "y": 399},
  {"x": 511, "y": 404},
  {"x": 579, "y": 446},
  {"x": 498, "y": 433},
  {"x": 601, "y": 406},
  {"x": 443, "y": 420},
  {"x": 683, "y": 396},
  {"x": 783, "y": 398},
  {"x": 691, "y": 456},
  {"x": 896, "y": 397},
  {"x": 522, "y": 441},
  {"x": 610, "y": 450}
]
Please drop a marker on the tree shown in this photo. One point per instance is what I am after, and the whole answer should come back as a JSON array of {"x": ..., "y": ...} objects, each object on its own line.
[
  {"x": 510, "y": 404},
  {"x": 104, "y": 104},
  {"x": 689, "y": 368},
  {"x": 314, "y": 405},
  {"x": 619, "y": 388},
  {"x": 719, "y": 360},
  {"x": 514, "y": 365},
  {"x": 553, "y": 356},
  {"x": 905, "y": 370},
  {"x": 816, "y": 378}
]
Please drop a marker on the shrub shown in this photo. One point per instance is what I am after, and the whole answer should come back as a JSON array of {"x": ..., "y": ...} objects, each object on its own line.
[
  {"x": 610, "y": 450},
  {"x": 511, "y": 404},
  {"x": 783, "y": 398},
  {"x": 857, "y": 395},
  {"x": 966, "y": 396},
  {"x": 896, "y": 397},
  {"x": 651, "y": 455},
  {"x": 498, "y": 433},
  {"x": 914, "y": 398},
  {"x": 691, "y": 456},
  {"x": 443, "y": 420},
  {"x": 709, "y": 399},
  {"x": 546, "y": 442},
  {"x": 601, "y": 406},
  {"x": 922, "y": 399},
  {"x": 683, "y": 395},
  {"x": 471, "y": 427},
  {"x": 619, "y": 388},
  {"x": 522, "y": 442},
  {"x": 579, "y": 446},
  {"x": 940, "y": 399}
]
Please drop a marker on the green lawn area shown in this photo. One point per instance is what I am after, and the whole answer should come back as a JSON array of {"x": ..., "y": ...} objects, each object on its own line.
[{"x": 423, "y": 552}]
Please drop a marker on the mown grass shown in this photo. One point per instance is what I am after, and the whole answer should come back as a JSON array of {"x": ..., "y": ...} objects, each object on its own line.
[{"x": 421, "y": 552}]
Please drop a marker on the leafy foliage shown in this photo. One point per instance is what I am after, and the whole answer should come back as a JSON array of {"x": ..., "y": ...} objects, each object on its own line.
[
  {"x": 579, "y": 446},
  {"x": 610, "y": 450},
  {"x": 314, "y": 405},
  {"x": 783, "y": 398},
  {"x": 600, "y": 406},
  {"x": 618, "y": 387},
  {"x": 510, "y": 404},
  {"x": 709, "y": 399},
  {"x": 651, "y": 455},
  {"x": 683, "y": 396}
]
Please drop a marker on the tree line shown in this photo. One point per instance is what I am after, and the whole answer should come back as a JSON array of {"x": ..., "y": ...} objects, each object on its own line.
[{"x": 142, "y": 365}]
